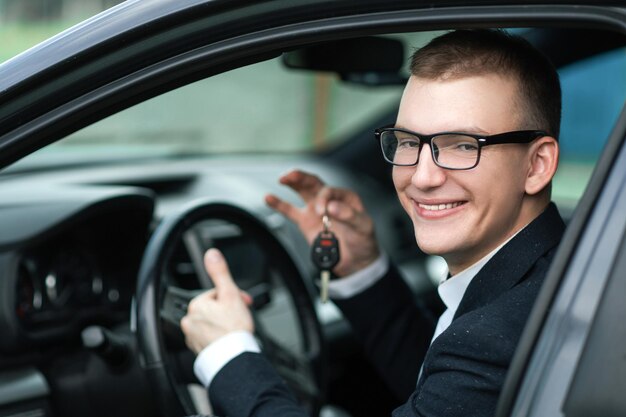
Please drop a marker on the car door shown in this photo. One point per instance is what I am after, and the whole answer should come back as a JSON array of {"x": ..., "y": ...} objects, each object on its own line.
[
  {"x": 571, "y": 360},
  {"x": 64, "y": 93}
]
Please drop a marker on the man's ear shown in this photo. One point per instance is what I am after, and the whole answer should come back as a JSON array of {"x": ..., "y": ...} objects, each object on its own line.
[{"x": 544, "y": 158}]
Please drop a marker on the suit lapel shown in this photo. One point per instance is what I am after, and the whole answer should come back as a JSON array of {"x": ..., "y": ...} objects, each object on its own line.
[{"x": 514, "y": 260}]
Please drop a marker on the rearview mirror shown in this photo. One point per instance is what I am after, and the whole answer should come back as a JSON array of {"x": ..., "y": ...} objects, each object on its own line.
[{"x": 369, "y": 60}]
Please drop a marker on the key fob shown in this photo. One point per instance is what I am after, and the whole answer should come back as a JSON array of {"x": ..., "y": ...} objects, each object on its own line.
[{"x": 325, "y": 251}]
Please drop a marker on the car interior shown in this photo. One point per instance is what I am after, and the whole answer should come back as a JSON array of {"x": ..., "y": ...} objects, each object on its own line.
[{"x": 128, "y": 205}]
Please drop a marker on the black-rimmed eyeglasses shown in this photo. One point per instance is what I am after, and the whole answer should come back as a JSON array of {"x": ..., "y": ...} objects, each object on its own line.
[{"x": 450, "y": 150}]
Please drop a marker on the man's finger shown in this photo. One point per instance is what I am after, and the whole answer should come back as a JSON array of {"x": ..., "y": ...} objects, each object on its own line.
[
  {"x": 283, "y": 207},
  {"x": 217, "y": 268},
  {"x": 200, "y": 300},
  {"x": 343, "y": 213},
  {"x": 305, "y": 184},
  {"x": 247, "y": 298},
  {"x": 343, "y": 195}
]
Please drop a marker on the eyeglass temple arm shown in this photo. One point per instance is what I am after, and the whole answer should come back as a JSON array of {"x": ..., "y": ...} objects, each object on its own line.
[{"x": 522, "y": 136}]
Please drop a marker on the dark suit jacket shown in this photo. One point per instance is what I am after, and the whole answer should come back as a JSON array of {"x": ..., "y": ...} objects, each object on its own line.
[{"x": 463, "y": 369}]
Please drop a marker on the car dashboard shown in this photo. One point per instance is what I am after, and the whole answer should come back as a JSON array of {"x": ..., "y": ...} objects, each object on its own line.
[
  {"x": 69, "y": 258},
  {"x": 73, "y": 240}
]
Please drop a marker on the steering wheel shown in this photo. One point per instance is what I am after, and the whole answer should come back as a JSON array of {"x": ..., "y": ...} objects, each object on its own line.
[{"x": 161, "y": 301}]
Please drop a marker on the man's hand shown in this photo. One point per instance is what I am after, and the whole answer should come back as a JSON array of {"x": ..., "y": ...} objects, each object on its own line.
[
  {"x": 219, "y": 311},
  {"x": 350, "y": 223}
]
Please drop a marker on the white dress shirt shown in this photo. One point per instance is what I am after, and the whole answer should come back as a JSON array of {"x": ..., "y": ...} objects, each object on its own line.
[{"x": 215, "y": 356}]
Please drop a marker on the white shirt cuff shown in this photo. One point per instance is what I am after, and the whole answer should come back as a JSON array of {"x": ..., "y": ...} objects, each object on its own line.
[
  {"x": 215, "y": 356},
  {"x": 353, "y": 284}
]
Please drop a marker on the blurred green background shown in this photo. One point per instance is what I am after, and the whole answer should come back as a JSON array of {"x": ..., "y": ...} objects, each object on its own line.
[{"x": 25, "y": 23}]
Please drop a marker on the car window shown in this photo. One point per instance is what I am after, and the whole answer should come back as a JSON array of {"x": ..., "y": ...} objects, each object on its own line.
[
  {"x": 594, "y": 91},
  {"x": 268, "y": 108},
  {"x": 263, "y": 107}
]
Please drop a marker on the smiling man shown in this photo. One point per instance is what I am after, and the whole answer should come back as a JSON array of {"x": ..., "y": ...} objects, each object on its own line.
[
  {"x": 474, "y": 151},
  {"x": 462, "y": 214}
]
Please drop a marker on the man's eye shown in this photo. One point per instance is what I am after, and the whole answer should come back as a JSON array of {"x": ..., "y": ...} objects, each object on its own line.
[
  {"x": 408, "y": 143},
  {"x": 467, "y": 147}
]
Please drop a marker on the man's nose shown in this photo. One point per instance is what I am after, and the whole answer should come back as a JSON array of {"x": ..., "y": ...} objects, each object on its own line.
[{"x": 427, "y": 174}]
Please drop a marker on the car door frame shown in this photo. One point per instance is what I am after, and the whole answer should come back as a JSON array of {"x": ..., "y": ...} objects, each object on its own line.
[
  {"x": 547, "y": 357},
  {"x": 32, "y": 125}
]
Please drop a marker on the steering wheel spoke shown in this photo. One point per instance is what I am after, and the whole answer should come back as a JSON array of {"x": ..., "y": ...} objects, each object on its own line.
[{"x": 175, "y": 303}]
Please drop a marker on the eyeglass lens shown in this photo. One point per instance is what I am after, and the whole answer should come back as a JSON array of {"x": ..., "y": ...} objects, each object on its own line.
[{"x": 449, "y": 151}]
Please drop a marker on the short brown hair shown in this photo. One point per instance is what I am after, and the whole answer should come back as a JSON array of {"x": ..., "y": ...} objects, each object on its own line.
[{"x": 470, "y": 52}]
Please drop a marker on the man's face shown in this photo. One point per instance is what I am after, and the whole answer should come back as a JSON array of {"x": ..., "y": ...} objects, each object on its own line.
[{"x": 463, "y": 215}]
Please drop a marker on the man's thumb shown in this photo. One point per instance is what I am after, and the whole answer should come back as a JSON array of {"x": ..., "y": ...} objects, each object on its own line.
[{"x": 217, "y": 269}]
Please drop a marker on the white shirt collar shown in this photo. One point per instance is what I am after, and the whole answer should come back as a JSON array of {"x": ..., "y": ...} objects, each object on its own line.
[{"x": 451, "y": 290}]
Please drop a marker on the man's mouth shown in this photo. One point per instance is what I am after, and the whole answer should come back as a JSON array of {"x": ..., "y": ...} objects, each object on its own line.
[{"x": 439, "y": 207}]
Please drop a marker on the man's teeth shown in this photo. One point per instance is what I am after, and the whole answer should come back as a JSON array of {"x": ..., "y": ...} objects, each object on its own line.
[{"x": 435, "y": 207}]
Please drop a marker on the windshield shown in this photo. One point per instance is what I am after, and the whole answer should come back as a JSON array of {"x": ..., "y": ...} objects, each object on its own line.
[{"x": 260, "y": 108}]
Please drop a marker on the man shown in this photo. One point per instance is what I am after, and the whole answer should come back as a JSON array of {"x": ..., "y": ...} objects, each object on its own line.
[{"x": 475, "y": 182}]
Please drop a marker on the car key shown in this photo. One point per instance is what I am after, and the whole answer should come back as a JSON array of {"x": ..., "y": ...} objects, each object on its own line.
[{"x": 325, "y": 255}]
